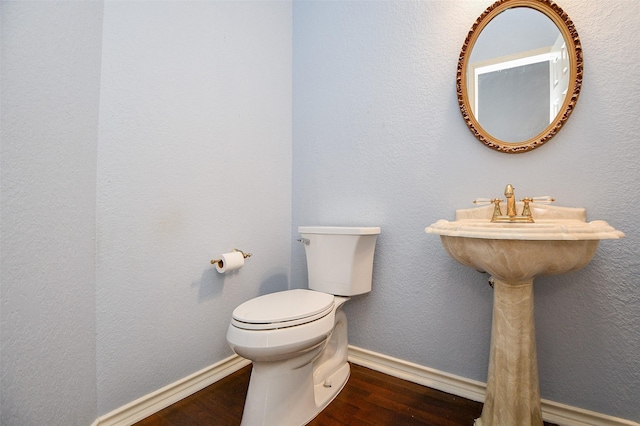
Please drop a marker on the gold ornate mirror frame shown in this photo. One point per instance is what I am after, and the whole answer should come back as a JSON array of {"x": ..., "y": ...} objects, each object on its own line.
[{"x": 574, "y": 50}]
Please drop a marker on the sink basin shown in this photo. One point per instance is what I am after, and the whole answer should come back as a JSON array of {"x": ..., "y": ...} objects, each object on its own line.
[
  {"x": 551, "y": 223},
  {"x": 559, "y": 241}
]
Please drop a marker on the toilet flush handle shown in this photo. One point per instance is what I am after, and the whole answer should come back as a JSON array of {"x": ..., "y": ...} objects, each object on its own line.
[{"x": 304, "y": 241}]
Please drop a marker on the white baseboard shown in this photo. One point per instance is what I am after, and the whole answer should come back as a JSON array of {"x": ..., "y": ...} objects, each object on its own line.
[
  {"x": 147, "y": 405},
  {"x": 554, "y": 412},
  {"x": 456, "y": 385},
  {"x": 152, "y": 403}
]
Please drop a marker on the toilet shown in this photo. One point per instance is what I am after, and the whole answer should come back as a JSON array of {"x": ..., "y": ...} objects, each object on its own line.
[{"x": 297, "y": 339}]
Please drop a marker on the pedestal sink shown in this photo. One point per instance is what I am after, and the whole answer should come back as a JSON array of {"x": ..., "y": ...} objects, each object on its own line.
[{"x": 559, "y": 241}]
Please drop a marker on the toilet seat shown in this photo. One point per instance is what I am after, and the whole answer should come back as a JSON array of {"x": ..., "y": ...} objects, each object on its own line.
[{"x": 282, "y": 309}]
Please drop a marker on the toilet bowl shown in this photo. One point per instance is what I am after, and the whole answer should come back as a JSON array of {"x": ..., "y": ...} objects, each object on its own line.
[{"x": 297, "y": 339}]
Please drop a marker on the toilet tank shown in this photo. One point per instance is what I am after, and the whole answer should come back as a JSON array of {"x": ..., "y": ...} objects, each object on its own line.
[{"x": 339, "y": 259}]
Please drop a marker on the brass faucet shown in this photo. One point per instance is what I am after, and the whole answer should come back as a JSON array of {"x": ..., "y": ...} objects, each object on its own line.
[{"x": 512, "y": 215}]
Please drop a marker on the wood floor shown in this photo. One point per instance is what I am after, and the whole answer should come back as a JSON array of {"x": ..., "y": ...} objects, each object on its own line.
[{"x": 369, "y": 398}]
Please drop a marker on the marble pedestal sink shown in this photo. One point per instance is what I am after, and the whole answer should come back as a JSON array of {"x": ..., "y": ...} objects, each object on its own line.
[{"x": 560, "y": 241}]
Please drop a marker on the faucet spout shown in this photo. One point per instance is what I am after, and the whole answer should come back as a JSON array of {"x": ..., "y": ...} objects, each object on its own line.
[{"x": 511, "y": 201}]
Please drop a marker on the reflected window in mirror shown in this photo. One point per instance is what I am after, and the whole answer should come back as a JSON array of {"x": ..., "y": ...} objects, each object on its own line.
[{"x": 519, "y": 74}]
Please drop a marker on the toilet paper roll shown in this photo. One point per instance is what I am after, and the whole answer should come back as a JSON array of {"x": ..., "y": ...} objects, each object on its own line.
[{"x": 230, "y": 262}]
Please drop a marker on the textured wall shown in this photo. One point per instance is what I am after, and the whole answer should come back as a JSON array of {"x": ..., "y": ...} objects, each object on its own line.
[
  {"x": 379, "y": 140},
  {"x": 194, "y": 159},
  {"x": 49, "y": 121}
]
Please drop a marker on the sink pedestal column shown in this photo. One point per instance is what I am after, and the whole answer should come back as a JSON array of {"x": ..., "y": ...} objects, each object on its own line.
[{"x": 513, "y": 394}]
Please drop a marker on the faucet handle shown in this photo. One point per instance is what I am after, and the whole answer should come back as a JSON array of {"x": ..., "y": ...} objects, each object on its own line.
[
  {"x": 545, "y": 199},
  {"x": 497, "y": 212},
  {"x": 526, "y": 210},
  {"x": 483, "y": 201},
  {"x": 496, "y": 206}
]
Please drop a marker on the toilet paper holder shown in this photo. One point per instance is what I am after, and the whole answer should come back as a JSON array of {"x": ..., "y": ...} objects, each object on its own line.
[{"x": 219, "y": 261}]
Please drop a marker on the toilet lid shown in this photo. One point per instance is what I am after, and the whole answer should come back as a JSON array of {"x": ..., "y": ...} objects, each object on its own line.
[{"x": 282, "y": 309}]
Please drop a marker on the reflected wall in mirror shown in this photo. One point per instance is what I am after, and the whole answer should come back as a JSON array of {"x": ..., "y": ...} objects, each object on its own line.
[{"x": 519, "y": 74}]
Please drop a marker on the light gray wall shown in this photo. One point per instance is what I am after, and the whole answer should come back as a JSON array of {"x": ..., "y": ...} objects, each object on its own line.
[
  {"x": 194, "y": 150},
  {"x": 49, "y": 131},
  {"x": 379, "y": 140},
  {"x": 173, "y": 129},
  {"x": 194, "y": 159}
]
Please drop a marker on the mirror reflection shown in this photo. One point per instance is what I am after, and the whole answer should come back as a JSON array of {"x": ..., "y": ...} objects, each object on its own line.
[{"x": 518, "y": 74}]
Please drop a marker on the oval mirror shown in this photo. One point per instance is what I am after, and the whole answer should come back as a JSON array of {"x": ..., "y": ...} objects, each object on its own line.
[{"x": 519, "y": 74}]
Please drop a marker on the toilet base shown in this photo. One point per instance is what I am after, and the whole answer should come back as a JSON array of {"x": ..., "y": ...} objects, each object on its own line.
[
  {"x": 279, "y": 398},
  {"x": 293, "y": 391},
  {"x": 326, "y": 394}
]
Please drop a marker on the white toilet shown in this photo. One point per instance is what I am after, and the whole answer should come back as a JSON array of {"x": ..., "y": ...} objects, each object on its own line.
[{"x": 297, "y": 339}]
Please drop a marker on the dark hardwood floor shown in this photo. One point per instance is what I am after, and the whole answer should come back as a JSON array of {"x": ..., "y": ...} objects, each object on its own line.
[{"x": 369, "y": 398}]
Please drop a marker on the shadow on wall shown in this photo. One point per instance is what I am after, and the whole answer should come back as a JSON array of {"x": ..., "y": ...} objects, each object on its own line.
[
  {"x": 211, "y": 283},
  {"x": 274, "y": 283}
]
